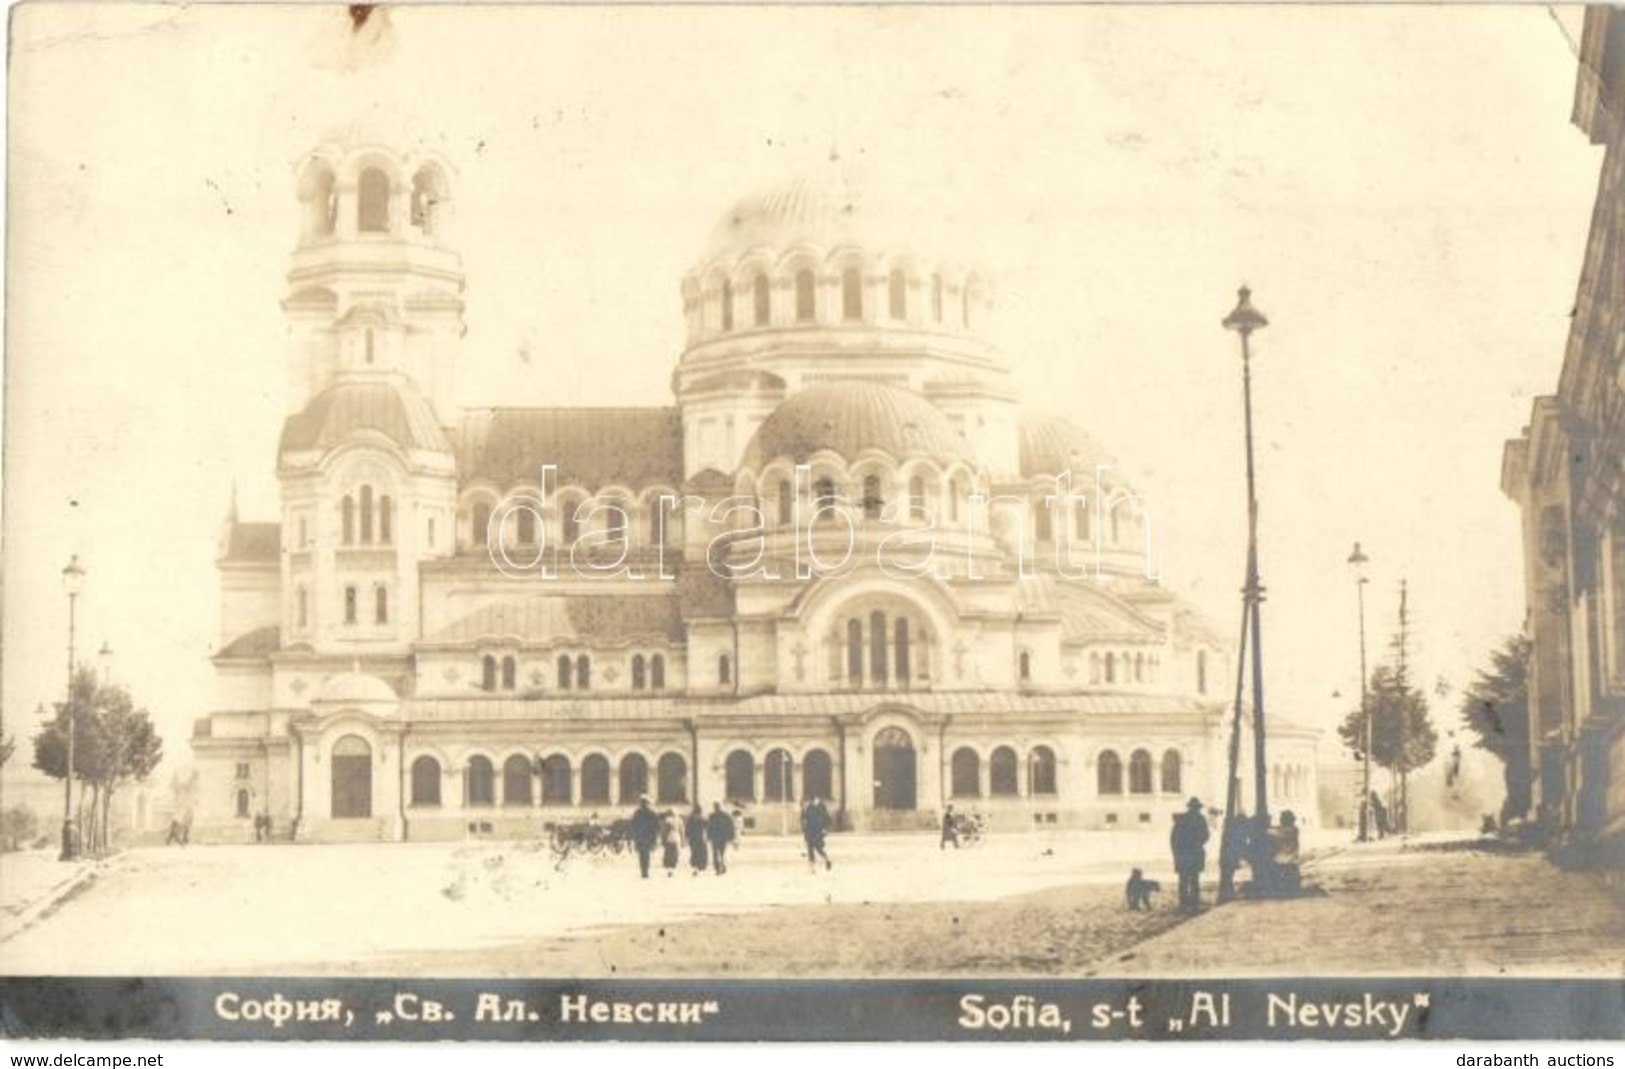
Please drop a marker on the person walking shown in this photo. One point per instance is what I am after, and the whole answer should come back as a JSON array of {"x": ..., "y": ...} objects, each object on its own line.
[
  {"x": 814, "y": 826},
  {"x": 720, "y": 833},
  {"x": 645, "y": 832},
  {"x": 1379, "y": 815},
  {"x": 671, "y": 842},
  {"x": 1188, "y": 841},
  {"x": 950, "y": 829},
  {"x": 694, "y": 832}
]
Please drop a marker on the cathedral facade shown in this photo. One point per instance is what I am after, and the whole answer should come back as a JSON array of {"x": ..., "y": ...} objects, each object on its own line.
[{"x": 845, "y": 563}]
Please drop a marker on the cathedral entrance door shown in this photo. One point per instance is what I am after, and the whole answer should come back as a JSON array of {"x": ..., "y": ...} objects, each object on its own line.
[
  {"x": 895, "y": 770},
  {"x": 352, "y": 778}
]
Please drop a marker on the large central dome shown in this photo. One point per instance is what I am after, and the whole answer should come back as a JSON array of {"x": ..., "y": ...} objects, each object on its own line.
[
  {"x": 851, "y": 418},
  {"x": 835, "y": 204}
]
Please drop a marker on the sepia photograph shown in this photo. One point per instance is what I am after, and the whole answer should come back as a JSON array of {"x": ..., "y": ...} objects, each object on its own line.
[{"x": 813, "y": 522}]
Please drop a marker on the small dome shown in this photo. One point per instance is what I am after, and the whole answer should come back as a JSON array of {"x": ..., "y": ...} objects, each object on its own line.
[
  {"x": 356, "y": 687},
  {"x": 1051, "y": 444},
  {"x": 851, "y": 417},
  {"x": 389, "y": 407}
]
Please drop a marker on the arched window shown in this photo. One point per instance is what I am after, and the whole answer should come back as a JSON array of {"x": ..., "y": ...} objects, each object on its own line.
[
  {"x": 242, "y": 798},
  {"x": 671, "y": 779},
  {"x": 639, "y": 672},
  {"x": 479, "y": 532},
  {"x": 727, "y": 305},
  {"x": 1094, "y": 668},
  {"x": 824, "y": 493},
  {"x": 897, "y": 295},
  {"x": 1041, "y": 771},
  {"x": 725, "y": 669},
  {"x": 516, "y": 773},
  {"x": 1139, "y": 772},
  {"x": 806, "y": 305},
  {"x": 526, "y": 521},
  {"x": 1108, "y": 773},
  {"x": 570, "y": 527},
  {"x": 956, "y": 492},
  {"x": 739, "y": 777},
  {"x": 1170, "y": 772},
  {"x": 510, "y": 673},
  {"x": 350, "y": 609},
  {"x": 366, "y": 515},
  {"x": 966, "y": 778},
  {"x": 854, "y": 652},
  {"x": 1201, "y": 671},
  {"x": 425, "y": 781},
  {"x": 901, "y": 652},
  {"x": 615, "y": 523},
  {"x": 877, "y": 648},
  {"x": 778, "y": 779},
  {"x": 916, "y": 498},
  {"x": 304, "y": 608},
  {"x": 386, "y": 521},
  {"x": 634, "y": 778},
  {"x": 872, "y": 501},
  {"x": 1139, "y": 668},
  {"x": 761, "y": 301},
  {"x": 851, "y": 295},
  {"x": 1043, "y": 522},
  {"x": 817, "y": 775},
  {"x": 595, "y": 779},
  {"x": 657, "y": 522},
  {"x": 380, "y": 606},
  {"x": 372, "y": 191},
  {"x": 787, "y": 503},
  {"x": 1111, "y": 668},
  {"x": 564, "y": 671},
  {"x": 347, "y": 520},
  {"x": 488, "y": 673},
  {"x": 657, "y": 672},
  {"x": 583, "y": 671},
  {"x": 1025, "y": 666},
  {"x": 426, "y": 194},
  {"x": 936, "y": 298},
  {"x": 1001, "y": 773},
  {"x": 480, "y": 781},
  {"x": 1080, "y": 518},
  {"x": 556, "y": 780}
]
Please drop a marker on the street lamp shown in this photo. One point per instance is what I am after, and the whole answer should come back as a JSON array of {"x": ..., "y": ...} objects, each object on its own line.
[
  {"x": 1358, "y": 561},
  {"x": 1244, "y": 319},
  {"x": 73, "y": 580}
]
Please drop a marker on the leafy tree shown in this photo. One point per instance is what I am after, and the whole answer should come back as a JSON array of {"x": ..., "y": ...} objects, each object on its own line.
[
  {"x": 19, "y": 827},
  {"x": 8, "y": 745},
  {"x": 1495, "y": 709},
  {"x": 1403, "y": 738},
  {"x": 113, "y": 743}
]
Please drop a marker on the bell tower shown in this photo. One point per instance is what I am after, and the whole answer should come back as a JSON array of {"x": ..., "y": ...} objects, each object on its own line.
[{"x": 375, "y": 288}]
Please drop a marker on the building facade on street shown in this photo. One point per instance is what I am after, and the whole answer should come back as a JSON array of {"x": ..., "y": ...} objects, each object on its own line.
[
  {"x": 845, "y": 563},
  {"x": 1567, "y": 473}
]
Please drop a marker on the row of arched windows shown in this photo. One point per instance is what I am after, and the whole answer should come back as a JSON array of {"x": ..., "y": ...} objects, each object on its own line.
[
  {"x": 1142, "y": 773},
  {"x": 523, "y": 527},
  {"x": 1123, "y": 525},
  {"x": 778, "y": 778},
  {"x": 374, "y": 195},
  {"x": 1124, "y": 667},
  {"x": 352, "y": 605},
  {"x": 1003, "y": 773},
  {"x": 879, "y": 651},
  {"x": 916, "y": 506},
  {"x": 751, "y": 306},
  {"x": 1289, "y": 781},
  {"x": 596, "y": 782},
  {"x": 374, "y": 519},
  {"x": 574, "y": 672}
]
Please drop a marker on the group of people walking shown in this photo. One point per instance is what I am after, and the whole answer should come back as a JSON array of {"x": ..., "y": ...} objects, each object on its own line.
[{"x": 708, "y": 837}]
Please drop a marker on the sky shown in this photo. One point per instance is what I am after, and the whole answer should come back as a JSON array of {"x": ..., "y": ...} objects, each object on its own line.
[{"x": 1400, "y": 186}]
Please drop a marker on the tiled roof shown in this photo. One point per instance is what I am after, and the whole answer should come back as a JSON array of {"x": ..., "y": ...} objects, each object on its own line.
[
  {"x": 1051, "y": 444},
  {"x": 612, "y": 619},
  {"x": 591, "y": 447},
  {"x": 389, "y": 406},
  {"x": 1086, "y": 611},
  {"x": 247, "y": 542}
]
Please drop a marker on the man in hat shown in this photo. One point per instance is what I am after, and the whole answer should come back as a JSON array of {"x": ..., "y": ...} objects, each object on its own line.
[
  {"x": 645, "y": 833},
  {"x": 1188, "y": 841}
]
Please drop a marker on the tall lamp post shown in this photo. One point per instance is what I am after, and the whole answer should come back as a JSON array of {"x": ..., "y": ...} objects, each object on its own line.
[
  {"x": 1358, "y": 561},
  {"x": 73, "y": 580},
  {"x": 1244, "y": 319}
]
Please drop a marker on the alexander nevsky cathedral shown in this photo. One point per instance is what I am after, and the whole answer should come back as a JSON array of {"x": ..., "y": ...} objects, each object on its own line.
[{"x": 845, "y": 562}]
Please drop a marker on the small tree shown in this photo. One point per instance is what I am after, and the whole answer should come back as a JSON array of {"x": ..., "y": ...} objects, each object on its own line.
[
  {"x": 113, "y": 743},
  {"x": 1403, "y": 738},
  {"x": 1495, "y": 709}
]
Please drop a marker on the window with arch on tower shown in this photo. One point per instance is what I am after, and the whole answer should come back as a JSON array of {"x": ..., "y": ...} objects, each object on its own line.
[
  {"x": 873, "y": 502},
  {"x": 916, "y": 498},
  {"x": 761, "y": 301},
  {"x": 851, "y": 295},
  {"x": 657, "y": 672},
  {"x": 897, "y": 295},
  {"x": 480, "y": 525},
  {"x": 806, "y": 298},
  {"x": 488, "y": 673},
  {"x": 936, "y": 298},
  {"x": 372, "y": 202},
  {"x": 510, "y": 673},
  {"x": 727, "y": 305}
]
